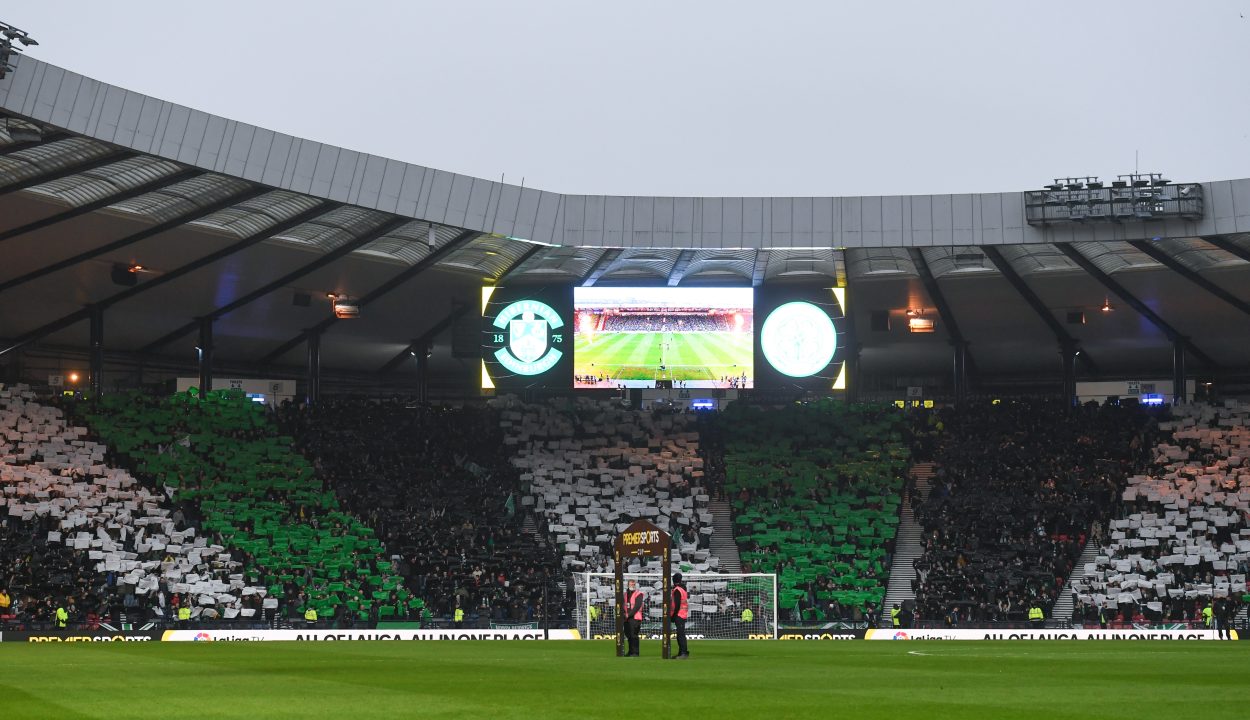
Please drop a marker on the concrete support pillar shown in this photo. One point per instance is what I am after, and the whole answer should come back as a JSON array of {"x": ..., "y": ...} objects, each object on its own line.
[
  {"x": 205, "y": 349},
  {"x": 313, "y": 389},
  {"x": 1179, "y": 384},
  {"x": 97, "y": 352}
]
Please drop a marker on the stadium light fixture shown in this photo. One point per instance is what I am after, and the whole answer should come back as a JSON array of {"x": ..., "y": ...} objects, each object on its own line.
[
  {"x": 9, "y": 34},
  {"x": 920, "y": 325}
]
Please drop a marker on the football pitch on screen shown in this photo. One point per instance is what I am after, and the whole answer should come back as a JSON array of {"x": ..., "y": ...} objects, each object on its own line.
[
  {"x": 723, "y": 679},
  {"x": 683, "y": 355}
]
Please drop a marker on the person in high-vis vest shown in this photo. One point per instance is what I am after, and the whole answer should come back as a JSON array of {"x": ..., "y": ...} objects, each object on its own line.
[
  {"x": 184, "y": 616},
  {"x": 1036, "y": 616},
  {"x": 1208, "y": 615},
  {"x": 61, "y": 618},
  {"x": 896, "y": 616},
  {"x": 310, "y": 616},
  {"x": 458, "y": 616},
  {"x": 634, "y": 601},
  {"x": 679, "y": 610}
]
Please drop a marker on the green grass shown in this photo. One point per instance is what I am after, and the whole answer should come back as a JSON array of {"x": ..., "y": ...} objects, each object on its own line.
[
  {"x": 638, "y": 356},
  {"x": 497, "y": 679}
]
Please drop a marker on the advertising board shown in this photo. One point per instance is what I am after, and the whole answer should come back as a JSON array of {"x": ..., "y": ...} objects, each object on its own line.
[{"x": 358, "y": 635}]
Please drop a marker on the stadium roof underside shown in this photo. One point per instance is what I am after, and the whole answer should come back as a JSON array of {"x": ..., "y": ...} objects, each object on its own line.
[{"x": 233, "y": 222}]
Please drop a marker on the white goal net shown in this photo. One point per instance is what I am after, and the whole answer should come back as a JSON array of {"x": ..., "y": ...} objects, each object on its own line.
[{"x": 717, "y": 602}]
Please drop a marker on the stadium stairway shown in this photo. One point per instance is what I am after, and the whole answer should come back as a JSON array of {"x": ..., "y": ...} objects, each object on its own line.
[
  {"x": 722, "y": 542},
  {"x": 1062, "y": 611},
  {"x": 907, "y": 544}
]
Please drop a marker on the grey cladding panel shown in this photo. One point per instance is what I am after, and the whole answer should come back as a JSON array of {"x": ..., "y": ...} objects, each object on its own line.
[
  {"x": 343, "y": 174},
  {"x": 547, "y": 217},
  {"x": 574, "y": 214},
  {"x": 437, "y": 195},
  {"x": 712, "y": 211},
  {"x": 104, "y": 126},
  {"x": 1220, "y": 209},
  {"x": 614, "y": 221},
  {"x": 61, "y": 112},
  {"x": 731, "y": 216},
  {"x": 410, "y": 190},
  {"x": 173, "y": 137},
  {"x": 392, "y": 178},
  {"x": 306, "y": 156},
  {"x": 457, "y": 205},
  {"x": 83, "y": 103},
  {"x": 824, "y": 226},
  {"x": 192, "y": 137},
  {"x": 1241, "y": 202},
  {"x": 145, "y": 127},
  {"x": 527, "y": 213},
  {"x": 943, "y": 220},
  {"x": 214, "y": 138},
  {"x": 278, "y": 160},
  {"x": 323, "y": 169},
  {"x": 662, "y": 215},
  {"x": 644, "y": 214},
  {"x": 961, "y": 219},
  {"x": 237, "y": 149},
  {"x": 683, "y": 216},
  {"x": 479, "y": 205},
  {"x": 49, "y": 88},
  {"x": 258, "y": 153}
]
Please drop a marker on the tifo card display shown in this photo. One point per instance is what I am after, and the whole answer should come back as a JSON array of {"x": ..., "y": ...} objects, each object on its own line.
[{"x": 664, "y": 337}]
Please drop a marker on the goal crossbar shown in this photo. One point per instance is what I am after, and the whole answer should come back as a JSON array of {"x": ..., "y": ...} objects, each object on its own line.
[{"x": 728, "y": 606}]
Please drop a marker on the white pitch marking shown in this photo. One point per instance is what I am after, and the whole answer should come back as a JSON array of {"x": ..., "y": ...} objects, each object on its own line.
[{"x": 913, "y": 652}]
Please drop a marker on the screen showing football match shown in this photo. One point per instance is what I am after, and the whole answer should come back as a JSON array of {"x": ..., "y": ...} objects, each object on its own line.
[{"x": 663, "y": 337}]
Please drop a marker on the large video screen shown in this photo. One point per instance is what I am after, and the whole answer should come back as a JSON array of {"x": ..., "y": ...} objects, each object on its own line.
[
  {"x": 801, "y": 337},
  {"x": 526, "y": 337},
  {"x": 663, "y": 337}
]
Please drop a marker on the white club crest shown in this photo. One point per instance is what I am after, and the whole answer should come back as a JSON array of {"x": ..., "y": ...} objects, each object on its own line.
[{"x": 527, "y": 337}]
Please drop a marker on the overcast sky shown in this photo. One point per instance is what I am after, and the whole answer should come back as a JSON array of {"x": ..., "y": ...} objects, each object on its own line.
[{"x": 701, "y": 98}]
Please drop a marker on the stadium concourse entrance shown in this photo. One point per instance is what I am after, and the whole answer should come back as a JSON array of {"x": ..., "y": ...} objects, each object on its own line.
[{"x": 643, "y": 539}]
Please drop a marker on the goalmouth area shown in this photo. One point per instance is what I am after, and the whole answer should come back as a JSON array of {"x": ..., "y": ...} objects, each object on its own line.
[{"x": 994, "y": 680}]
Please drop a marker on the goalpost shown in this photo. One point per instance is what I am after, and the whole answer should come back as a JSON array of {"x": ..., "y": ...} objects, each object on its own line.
[{"x": 717, "y": 601}]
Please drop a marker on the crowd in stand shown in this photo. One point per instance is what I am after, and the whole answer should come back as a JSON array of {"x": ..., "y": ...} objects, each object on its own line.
[
  {"x": 437, "y": 486},
  {"x": 83, "y": 542},
  {"x": 1018, "y": 487},
  {"x": 668, "y": 323},
  {"x": 1181, "y": 536}
]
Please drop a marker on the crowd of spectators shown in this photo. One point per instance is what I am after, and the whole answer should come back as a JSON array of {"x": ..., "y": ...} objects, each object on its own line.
[
  {"x": 1018, "y": 487},
  {"x": 437, "y": 486},
  {"x": 1181, "y": 536},
  {"x": 631, "y": 322}
]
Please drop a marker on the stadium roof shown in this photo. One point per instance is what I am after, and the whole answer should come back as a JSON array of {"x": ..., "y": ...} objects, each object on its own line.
[{"x": 231, "y": 221}]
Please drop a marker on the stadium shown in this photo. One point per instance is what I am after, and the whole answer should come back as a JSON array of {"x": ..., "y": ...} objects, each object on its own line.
[{"x": 293, "y": 430}]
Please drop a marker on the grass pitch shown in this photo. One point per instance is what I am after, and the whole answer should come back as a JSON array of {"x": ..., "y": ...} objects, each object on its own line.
[
  {"x": 686, "y": 356},
  {"x": 726, "y": 679}
]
